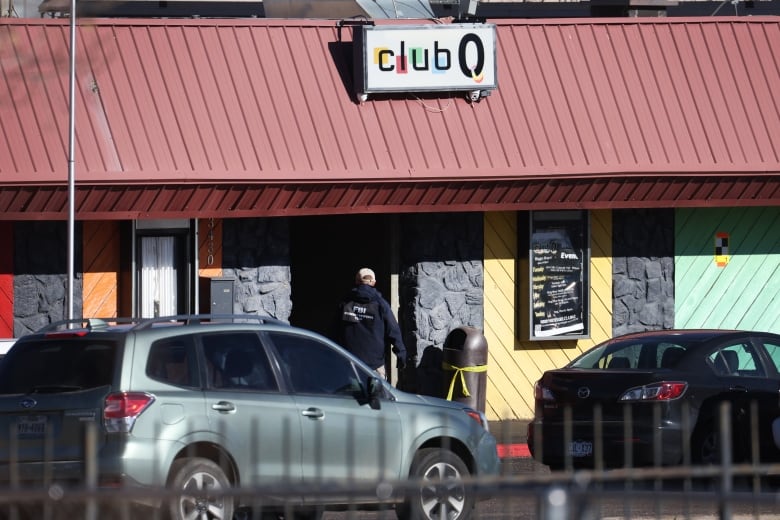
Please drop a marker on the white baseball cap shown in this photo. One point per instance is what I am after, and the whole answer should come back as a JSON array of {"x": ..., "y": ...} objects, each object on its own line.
[{"x": 365, "y": 275}]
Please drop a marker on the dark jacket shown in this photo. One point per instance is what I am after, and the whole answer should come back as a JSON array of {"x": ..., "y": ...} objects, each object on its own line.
[{"x": 366, "y": 326}]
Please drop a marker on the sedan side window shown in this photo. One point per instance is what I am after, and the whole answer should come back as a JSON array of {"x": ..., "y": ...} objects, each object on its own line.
[
  {"x": 314, "y": 367},
  {"x": 736, "y": 360},
  {"x": 774, "y": 354}
]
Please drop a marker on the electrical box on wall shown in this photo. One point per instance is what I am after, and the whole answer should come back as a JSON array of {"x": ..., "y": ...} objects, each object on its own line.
[{"x": 216, "y": 295}]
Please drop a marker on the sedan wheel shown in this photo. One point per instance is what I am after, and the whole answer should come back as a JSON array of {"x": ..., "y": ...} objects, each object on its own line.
[
  {"x": 705, "y": 445},
  {"x": 442, "y": 493},
  {"x": 202, "y": 485}
]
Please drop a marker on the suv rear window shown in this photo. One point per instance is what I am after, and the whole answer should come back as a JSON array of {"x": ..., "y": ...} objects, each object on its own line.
[
  {"x": 57, "y": 366},
  {"x": 649, "y": 355}
]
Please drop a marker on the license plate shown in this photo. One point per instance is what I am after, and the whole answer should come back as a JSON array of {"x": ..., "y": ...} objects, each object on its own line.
[
  {"x": 581, "y": 449},
  {"x": 31, "y": 425}
]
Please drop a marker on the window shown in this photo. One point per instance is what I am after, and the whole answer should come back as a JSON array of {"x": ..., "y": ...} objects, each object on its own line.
[
  {"x": 238, "y": 361},
  {"x": 164, "y": 253},
  {"x": 650, "y": 355},
  {"x": 314, "y": 367},
  {"x": 158, "y": 277},
  {"x": 774, "y": 354},
  {"x": 558, "y": 269},
  {"x": 735, "y": 360},
  {"x": 58, "y": 365},
  {"x": 172, "y": 361}
]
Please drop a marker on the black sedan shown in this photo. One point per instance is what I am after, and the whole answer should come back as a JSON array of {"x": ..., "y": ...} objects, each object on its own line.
[{"x": 661, "y": 398}]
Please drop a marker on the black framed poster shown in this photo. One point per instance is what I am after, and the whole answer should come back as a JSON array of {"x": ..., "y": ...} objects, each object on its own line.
[{"x": 559, "y": 260}]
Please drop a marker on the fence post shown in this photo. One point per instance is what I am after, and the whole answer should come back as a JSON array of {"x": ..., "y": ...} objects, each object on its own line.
[
  {"x": 726, "y": 459},
  {"x": 554, "y": 504}
]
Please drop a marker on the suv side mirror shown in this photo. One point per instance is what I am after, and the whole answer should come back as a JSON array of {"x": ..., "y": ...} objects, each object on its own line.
[{"x": 375, "y": 391}]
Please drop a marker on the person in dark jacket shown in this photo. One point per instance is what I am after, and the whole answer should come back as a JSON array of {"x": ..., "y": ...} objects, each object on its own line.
[{"x": 366, "y": 325}]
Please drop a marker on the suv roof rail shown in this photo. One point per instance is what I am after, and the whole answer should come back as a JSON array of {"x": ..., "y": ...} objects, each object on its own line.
[
  {"x": 197, "y": 319},
  {"x": 86, "y": 323}
]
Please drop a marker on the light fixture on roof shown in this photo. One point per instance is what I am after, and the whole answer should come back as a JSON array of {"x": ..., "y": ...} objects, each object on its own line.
[
  {"x": 343, "y": 9},
  {"x": 467, "y": 7}
]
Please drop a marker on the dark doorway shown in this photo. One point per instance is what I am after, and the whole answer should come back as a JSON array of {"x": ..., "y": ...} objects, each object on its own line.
[{"x": 326, "y": 253}]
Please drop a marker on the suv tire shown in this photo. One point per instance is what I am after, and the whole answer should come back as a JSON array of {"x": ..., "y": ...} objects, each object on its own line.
[
  {"x": 435, "y": 499},
  {"x": 202, "y": 485}
]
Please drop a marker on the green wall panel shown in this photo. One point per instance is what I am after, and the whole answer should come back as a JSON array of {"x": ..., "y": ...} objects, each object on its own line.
[{"x": 745, "y": 294}]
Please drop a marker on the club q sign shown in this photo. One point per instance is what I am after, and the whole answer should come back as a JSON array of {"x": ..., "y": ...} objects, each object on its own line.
[{"x": 425, "y": 58}]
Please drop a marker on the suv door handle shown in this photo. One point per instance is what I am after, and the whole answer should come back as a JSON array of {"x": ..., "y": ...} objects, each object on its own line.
[
  {"x": 224, "y": 406},
  {"x": 313, "y": 413}
]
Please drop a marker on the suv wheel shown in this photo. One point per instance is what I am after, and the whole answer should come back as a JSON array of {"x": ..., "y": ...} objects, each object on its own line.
[
  {"x": 442, "y": 493},
  {"x": 202, "y": 485}
]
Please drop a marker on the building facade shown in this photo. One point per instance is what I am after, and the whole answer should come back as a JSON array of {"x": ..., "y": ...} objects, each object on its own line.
[{"x": 237, "y": 151}]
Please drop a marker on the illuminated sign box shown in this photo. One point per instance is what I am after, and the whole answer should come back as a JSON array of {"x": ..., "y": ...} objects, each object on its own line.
[{"x": 425, "y": 58}]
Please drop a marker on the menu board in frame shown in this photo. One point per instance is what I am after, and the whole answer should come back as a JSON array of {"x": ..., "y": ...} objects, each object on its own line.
[{"x": 559, "y": 262}]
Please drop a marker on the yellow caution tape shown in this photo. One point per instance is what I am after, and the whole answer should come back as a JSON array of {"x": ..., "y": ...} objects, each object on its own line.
[{"x": 460, "y": 371}]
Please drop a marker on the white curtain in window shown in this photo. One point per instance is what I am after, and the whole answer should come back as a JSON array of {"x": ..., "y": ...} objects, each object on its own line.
[{"x": 158, "y": 277}]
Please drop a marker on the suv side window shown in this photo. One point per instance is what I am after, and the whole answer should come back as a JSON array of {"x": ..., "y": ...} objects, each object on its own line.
[
  {"x": 314, "y": 367},
  {"x": 172, "y": 361},
  {"x": 237, "y": 360}
]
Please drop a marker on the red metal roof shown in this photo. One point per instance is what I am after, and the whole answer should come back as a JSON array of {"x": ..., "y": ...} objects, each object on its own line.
[{"x": 256, "y": 117}]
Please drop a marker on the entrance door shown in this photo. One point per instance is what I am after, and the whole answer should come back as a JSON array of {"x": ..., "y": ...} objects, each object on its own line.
[
  {"x": 326, "y": 253},
  {"x": 163, "y": 272}
]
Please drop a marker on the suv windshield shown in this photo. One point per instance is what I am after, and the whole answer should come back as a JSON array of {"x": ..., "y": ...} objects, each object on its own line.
[{"x": 58, "y": 365}]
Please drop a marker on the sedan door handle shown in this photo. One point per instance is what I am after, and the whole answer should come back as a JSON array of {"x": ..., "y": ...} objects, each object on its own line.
[
  {"x": 224, "y": 406},
  {"x": 313, "y": 413},
  {"x": 738, "y": 388}
]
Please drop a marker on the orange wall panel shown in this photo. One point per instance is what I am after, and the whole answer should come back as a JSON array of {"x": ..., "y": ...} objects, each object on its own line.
[
  {"x": 101, "y": 268},
  {"x": 210, "y": 247}
]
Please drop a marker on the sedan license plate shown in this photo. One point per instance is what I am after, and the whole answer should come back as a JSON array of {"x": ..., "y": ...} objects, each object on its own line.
[
  {"x": 31, "y": 426},
  {"x": 581, "y": 449}
]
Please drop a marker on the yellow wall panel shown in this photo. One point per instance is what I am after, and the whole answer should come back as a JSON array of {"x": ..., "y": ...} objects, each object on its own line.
[{"x": 515, "y": 365}]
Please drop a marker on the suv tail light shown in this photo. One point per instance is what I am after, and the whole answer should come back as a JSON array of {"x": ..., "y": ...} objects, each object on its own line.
[
  {"x": 478, "y": 417},
  {"x": 123, "y": 408},
  {"x": 663, "y": 391}
]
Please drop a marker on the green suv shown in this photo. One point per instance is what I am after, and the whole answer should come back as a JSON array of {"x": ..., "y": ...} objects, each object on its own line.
[{"x": 205, "y": 407}]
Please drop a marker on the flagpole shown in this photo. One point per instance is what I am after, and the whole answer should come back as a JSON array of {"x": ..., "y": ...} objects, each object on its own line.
[{"x": 71, "y": 160}]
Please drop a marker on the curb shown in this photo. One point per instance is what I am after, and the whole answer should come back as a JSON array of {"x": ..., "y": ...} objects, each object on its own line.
[{"x": 513, "y": 451}]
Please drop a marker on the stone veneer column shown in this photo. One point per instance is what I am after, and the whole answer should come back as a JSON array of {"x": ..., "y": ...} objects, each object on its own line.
[
  {"x": 256, "y": 252},
  {"x": 441, "y": 288},
  {"x": 40, "y": 275},
  {"x": 642, "y": 270}
]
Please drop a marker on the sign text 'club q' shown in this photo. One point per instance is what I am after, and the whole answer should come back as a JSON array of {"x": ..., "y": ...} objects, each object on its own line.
[{"x": 427, "y": 57}]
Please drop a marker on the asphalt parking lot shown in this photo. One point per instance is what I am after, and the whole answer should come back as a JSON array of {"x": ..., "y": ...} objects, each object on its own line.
[{"x": 528, "y": 490}]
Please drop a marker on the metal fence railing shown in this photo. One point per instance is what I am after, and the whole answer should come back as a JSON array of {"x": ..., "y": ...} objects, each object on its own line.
[
  {"x": 532, "y": 493},
  {"x": 525, "y": 489}
]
